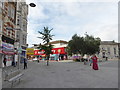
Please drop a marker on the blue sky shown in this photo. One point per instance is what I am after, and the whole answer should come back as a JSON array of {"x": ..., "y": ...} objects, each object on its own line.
[{"x": 99, "y": 19}]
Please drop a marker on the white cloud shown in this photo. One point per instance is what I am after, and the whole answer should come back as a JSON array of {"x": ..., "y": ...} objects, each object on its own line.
[
  {"x": 33, "y": 34},
  {"x": 66, "y": 19},
  {"x": 109, "y": 32},
  {"x": 36, "y": 13}
]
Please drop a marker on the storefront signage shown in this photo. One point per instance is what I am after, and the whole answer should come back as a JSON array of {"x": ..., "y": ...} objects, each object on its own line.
[
  {"x": 30, "y": 51},
  {"x": 60, "y": 50},
  {"x": 54, "y": 51},
  {"x": 7, "y": 48},
  {"x": 38, "y": 52}
]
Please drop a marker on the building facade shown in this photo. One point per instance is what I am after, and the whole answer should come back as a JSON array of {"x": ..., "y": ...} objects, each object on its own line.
[
  {"x": 119, "y": 50},
  {"x": 1, "y": 24},
  {"x": 21, "y": 25},
  {"x": 109, "y": 49},
  {"x": 58, "y": 52},
  {"x": 8, "y": 20},
  {"x": 13, "y": 31},
  {"x": 59, "y": 43}
]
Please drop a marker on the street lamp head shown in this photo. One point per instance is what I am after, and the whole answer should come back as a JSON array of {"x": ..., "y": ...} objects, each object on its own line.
[{"x": 32, "y": 5}]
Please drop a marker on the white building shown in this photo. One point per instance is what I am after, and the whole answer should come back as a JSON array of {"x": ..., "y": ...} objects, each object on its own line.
[
  {"x": 109, "y": 49},
  {"x": 21, "y": 25},
  {"x": 59, "y": 43}
]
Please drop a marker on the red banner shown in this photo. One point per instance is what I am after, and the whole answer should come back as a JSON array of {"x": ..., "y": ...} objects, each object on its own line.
[{"x": 60, "y": 50}]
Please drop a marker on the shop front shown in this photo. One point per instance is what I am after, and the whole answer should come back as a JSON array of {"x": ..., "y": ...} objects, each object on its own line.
[
  {"x": 60, "y": 53},
  {"x": 39, "y": 54},
  {"x": 57, "y": 54},
  {"x": 30, "y": 53},
  {"x": 8, "y": 53}
]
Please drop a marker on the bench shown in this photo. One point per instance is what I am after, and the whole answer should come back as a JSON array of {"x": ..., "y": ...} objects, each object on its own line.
[{"x": 13, "y": 76}]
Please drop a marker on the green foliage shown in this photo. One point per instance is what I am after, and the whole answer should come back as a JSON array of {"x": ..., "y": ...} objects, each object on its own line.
[
  {"x": 46, "y": 37},
  {"x": 83, "y": 45},
  {"x": 92, "y": 44},
  {"x": 47, "y": 49}
]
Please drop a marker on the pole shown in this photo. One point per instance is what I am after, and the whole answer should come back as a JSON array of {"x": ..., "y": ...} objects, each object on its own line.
[{"x": 19, "y": 57}]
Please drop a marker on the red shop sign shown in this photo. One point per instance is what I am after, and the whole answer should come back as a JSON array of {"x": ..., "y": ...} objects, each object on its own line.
[{"x": 60, "y": 50}]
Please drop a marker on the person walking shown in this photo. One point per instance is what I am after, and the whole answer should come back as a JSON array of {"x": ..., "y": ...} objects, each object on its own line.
[
  {"x": 13, "y": 63},
  {"x": 90, "y": 60},
  {"x": 85, "y": 57},
  {"x": 25, "y": 63},
  {"x": 4, "y": 61},
  {"x": 94, "y": 60}
]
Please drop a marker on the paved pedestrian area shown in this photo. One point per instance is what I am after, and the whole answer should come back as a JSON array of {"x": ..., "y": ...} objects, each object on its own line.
[{"x": 68, "y": 74}]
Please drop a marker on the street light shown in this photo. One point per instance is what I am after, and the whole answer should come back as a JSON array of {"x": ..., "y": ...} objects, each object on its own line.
[{"x": 32, "y": 5}]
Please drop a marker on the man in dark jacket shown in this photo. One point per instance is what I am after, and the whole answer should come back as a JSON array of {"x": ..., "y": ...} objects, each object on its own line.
[
  {"x": 4, "y": 61},
  {"x": 25, "y": 63}
]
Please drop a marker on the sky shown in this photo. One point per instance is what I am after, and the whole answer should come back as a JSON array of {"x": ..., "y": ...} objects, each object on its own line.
[{"x": 68, "y": 17}]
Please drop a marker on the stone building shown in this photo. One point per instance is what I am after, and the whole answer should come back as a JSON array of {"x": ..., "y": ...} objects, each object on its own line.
[
  {"x": 13, "y": 30},
  {"x": 7, "y": 20},
  {"x": 109, "y": 49},
  {"x": 21, "y": 25}
]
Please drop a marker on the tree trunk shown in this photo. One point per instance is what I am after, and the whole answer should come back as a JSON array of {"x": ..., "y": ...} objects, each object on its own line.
[{"x": 47, "y": 60}]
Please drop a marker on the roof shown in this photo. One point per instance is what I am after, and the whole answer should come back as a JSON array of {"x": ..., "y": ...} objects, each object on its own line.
[
  {"x": 108, "y": 43},
  {"x": 59, "y": 41}
]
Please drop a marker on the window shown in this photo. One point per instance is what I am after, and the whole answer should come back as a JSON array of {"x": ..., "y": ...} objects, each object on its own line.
[
  {"x": 11, "y": 11},
  {"x": 108, "y": 49},
  {"x": 115, "y": 51},
  {"x": 0, "y": 26},
  {"x": 0, "y": 7},
  {"x": 17, "y": 35},
  {"x": 18, "y": 22},
  {"x": 0, "y": 10},
  {"x": 0, "y": 4},
  {"x": 61, "y": 43},
  {"x": 3, "y": 5}
]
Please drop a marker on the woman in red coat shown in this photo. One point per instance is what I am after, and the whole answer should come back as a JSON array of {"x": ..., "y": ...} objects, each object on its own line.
[{"x": 94, "y": 60}]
